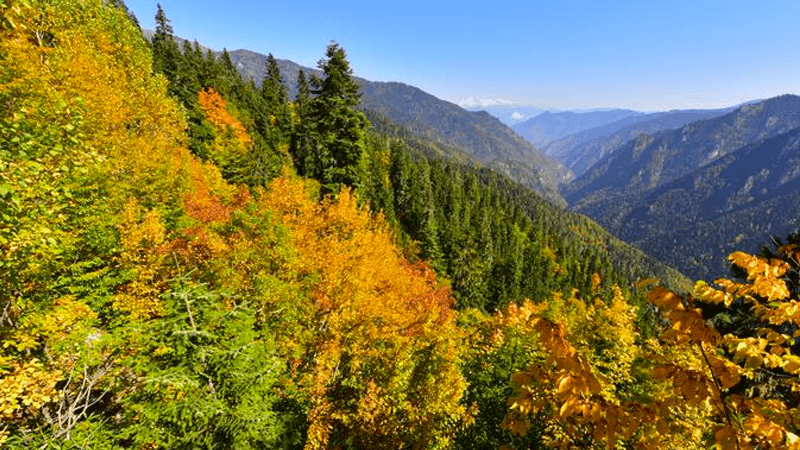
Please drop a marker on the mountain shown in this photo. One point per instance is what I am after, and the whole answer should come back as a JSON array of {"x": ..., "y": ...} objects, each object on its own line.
[
  {"x": 476, "y": 132},
  {"x": 509, "y": 113},
  {"x": 692, "y": 195},
  {"x": 737, "y": 202},
  {"x": 549, "y": 126},
  {"x": 579, "y": 151},
  {"x": 653, "y": 160}
]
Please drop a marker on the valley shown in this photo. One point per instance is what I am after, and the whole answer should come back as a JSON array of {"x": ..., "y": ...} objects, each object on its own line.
[{"x": 605, "y": 164}]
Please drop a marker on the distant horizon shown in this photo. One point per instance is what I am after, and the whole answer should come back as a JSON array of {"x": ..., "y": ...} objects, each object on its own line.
[
  {"x": 511, "y": 105},
  {"x": 645, "y": 57}
]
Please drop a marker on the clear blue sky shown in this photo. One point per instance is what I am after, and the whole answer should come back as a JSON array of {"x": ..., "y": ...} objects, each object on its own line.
[{"x": 643, "y": 54}]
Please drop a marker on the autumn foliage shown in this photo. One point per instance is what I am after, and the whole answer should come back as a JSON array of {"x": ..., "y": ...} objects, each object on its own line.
[
  {"x": 382, "y": 360},
  {"x": 733, "y": 391},
  {"x": 150, "y": 299}
]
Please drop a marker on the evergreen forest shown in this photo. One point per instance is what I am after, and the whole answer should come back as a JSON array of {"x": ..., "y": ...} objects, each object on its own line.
[{"x": 189, "y": 260}]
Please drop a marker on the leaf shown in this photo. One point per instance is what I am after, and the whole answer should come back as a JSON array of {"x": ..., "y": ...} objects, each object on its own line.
[{"x": 725, "y": 437}]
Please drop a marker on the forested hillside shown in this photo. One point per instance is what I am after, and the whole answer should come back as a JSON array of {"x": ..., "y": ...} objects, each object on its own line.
[
  {"x": 191, "y": 261},
  {"x": 475, "y": 133},
  {"x": 482, "y": 230},
  {"x": 580, "y": 151},
  {"x": 702, "y": 175},
  {"x": 737, "y": 202}
]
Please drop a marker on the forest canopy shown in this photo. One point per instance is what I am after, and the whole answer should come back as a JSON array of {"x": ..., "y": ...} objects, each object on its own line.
[{"x": 193, "y": 261}]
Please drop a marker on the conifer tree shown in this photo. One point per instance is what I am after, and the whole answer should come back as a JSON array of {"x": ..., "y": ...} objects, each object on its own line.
[
  {"x": 166, "y": 54},
  {"x": 276, "y": 120},
  {"x": 339, "y": 126},
  {"x": 302, "y": 142},
  {"x": 272, "y": 89}
]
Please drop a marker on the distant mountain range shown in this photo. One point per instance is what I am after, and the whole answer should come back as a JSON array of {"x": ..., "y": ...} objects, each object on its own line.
[
  {"x": 549, "y": 126},
  {"x": 652, "y": 160},
  {"x": 510, "y": 113},
  {"x": 579, "y": 151},
  {"x": 692, "y": 195},
  {"x": 472, "y": 103}
]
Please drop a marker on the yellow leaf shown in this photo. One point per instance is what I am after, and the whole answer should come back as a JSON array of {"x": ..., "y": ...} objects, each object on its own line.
[
  {"x": 564, "y": 384},
  {"x": 569, "y": 406},
  {"x": 726, "y": 438}
]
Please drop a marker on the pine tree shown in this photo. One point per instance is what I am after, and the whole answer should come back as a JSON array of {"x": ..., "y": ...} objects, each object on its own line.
[
  {"x": 302, "y": 140},
  {"x": 340, "y": 127},
  {"x": 166, "y": 54},
  {"x": 163, "y": 25},
  {"x": 272, "y": 89},
  {"x": 276, "y": 121}
]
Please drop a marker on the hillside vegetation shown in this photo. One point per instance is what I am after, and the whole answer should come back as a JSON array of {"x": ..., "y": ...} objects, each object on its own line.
[
  {"x": 476, "y": 133},
  {"x": 726, "y": 183},
  {"x": 190, "y": 261},
  {"x": 580, "y": 151}
]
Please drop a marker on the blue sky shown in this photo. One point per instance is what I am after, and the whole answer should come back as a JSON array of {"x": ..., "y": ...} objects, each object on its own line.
[{"x": 645, "y": 54}]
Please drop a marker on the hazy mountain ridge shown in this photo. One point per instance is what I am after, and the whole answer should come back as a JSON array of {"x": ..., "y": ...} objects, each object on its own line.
[
  {"x": 652, "y": 160},
  {"x": 579, "y": 151},
  {"x": 478, "y": 133},
  {"x": 550, "y": 126},
  {"x": 738, "y": 202}
]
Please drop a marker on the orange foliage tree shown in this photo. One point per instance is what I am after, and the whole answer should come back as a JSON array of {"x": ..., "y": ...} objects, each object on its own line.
[
  {"x": 232, "y": 143},
  {"x": 380, "y": 361}
]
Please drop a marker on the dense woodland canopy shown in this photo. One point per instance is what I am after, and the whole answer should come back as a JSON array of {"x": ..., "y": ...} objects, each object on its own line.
[{"x": 193, "y": 261}]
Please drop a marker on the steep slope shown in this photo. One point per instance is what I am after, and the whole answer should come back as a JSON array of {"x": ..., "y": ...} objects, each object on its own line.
[
  {"x": 738, "y": 202},
  {"x": 497, "y": 240},
  {"x": 149, "y": 303},
  {"x": 652, "y": 160},
  {"x": 579, "y": 151},
  {"x": 549, "y": 126},
  {"x": 477, "y": 133}
]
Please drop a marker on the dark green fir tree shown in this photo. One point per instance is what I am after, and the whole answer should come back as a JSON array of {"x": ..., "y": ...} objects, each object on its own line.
[{"x": 340, "y": 127}]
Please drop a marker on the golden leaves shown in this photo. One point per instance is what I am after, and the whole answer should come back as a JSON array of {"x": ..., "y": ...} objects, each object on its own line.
[
  {"x": 687, "y": 321},
  {"x": 232, "y": 143},
  {"x": 764, "y": 277},
  {"x": 726, "y": 371},
  {"x": 143, "y": 237},
  {"x": 758, "y": 419},
  {"x": 573, "y": 370},
  {"x": 380, "y": 326},
  {"x": 25, "y": 387}
]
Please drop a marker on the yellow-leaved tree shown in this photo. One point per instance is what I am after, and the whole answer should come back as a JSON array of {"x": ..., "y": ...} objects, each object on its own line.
[
  {"x": 585, "y": 382},
  {"x": 92, "y": 177},
  {"x": 750, "y": 371},
  {"x": 380, "y": 349},
  {"x": 724, "y": 372}
]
